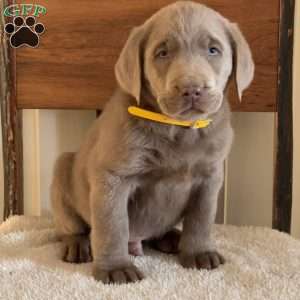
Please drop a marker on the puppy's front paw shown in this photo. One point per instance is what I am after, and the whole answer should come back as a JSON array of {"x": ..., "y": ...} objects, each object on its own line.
[
  {"x": 118, "y": 275},
  {"x": 206, "y": 260}
]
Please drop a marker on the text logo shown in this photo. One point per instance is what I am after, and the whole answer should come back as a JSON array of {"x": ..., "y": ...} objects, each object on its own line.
[{"x": 24, "y": 30}]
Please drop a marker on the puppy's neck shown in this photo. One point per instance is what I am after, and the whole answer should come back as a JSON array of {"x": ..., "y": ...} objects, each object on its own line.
[
  {"x": 176, "y": 133},
  {"x": 148, "y": 101}
]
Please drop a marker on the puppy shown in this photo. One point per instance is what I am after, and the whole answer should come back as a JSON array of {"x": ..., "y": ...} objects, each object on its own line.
[{"x": 134, "y": 179}]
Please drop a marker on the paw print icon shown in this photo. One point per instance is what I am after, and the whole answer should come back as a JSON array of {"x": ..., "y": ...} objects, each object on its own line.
[{"x": 24, "y": 32}]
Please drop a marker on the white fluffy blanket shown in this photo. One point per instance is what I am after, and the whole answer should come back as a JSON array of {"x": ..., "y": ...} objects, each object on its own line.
[{"x": 261, "y": 264}]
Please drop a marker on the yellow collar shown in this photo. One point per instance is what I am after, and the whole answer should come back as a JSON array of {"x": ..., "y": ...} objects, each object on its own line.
[{"x": 149, "y": 115}]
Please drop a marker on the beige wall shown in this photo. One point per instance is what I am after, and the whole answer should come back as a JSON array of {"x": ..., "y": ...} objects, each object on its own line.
[
  {"x": 54, "y": 132},
  {"x": 67, "y": 129},
  {"x": 250, "y": 170}
]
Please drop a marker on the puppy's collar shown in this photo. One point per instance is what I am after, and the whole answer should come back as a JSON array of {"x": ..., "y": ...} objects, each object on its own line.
[{"x": 160, "y": 118}]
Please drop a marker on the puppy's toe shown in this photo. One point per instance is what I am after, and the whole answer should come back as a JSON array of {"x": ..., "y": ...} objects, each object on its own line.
[
  {"x": 119, "y": 276},
  {"x": 188, "y": 261},
  {"x": 71, "y": 254},
  {"x": 85, "y": 254},
  {"x": 77, "y": 249},
  {"x": 133, "y": 274},
  {"x": 216, "y": 259},
  {"x": 204, "y": 260},
  {"x": 209, "y": 260},
  {"x": 101, "y": 275}
]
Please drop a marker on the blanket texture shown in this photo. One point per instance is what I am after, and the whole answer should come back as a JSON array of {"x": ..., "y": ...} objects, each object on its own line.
[{"x": 261, "y": 264}]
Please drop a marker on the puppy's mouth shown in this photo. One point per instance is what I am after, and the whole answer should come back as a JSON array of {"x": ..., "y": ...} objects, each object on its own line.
[{"x": 189, "y": 111}]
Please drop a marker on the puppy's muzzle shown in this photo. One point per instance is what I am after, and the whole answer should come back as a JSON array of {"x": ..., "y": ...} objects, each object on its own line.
[{"x": 197, "y": 98}]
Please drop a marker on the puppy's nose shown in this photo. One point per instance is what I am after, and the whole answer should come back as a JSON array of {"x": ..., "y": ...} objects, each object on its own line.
[{"x": 191, "y": 93}]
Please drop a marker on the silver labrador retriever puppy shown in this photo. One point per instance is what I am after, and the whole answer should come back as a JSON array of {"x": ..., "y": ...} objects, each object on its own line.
[{"x": 133, "y": 179}]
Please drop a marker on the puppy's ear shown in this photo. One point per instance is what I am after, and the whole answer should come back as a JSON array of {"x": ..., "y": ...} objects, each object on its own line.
[
  {"x": 128, "y": 69},
  {"x": 243, "y": 65}
]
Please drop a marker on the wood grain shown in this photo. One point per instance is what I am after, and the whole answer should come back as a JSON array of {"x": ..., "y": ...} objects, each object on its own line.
[
  {"x": 283, "y": 183},
  {"x": 73, "y": 65},
  {"x": 11, "y": 121}
]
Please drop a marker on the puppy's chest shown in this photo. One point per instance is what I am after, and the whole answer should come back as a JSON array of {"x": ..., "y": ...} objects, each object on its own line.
[
  {"x": 158, "y": 202},
  {"x": 163, "y": 188},
  {"x": 170, "y": 169},
  {"x": 180, "y": 155}
]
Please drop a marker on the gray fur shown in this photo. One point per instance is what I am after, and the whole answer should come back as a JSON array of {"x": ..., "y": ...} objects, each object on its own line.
[{"x": 133, "y": 180}]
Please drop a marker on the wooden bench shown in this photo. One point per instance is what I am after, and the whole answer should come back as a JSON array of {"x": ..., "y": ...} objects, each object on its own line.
[{"x": 73, "y": 68}]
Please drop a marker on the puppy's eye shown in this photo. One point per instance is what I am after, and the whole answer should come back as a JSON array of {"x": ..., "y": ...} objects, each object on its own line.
[
  {"x": 162, "y": 53},
  {"x": 213, "y": 51}
]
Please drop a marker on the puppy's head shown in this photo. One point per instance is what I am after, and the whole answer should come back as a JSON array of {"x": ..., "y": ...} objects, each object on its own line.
[{"x": 184, "y": 56}]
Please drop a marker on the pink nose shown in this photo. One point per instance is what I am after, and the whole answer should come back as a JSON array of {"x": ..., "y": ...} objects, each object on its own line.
[{"x": 191, "y": 93}]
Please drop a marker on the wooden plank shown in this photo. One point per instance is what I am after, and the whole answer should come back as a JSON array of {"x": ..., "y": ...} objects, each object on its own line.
[
  {"x": 283, "y": 183},
  {"x": 73, "y": 65},
  {"x": 11, "y": 120}
]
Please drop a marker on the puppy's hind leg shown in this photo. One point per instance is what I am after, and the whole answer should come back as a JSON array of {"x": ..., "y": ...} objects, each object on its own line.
[
  {"x": 73, "y": 230},
  {"x": 75, "y": 238},
  {"x": 77, "y": 248}
]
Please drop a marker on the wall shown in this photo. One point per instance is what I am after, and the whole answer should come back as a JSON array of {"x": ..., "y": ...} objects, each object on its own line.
[
  {"x": 67, "y": 129},
  {"x": 54, "y": 132},
  {"x": 250, "y": 170}
]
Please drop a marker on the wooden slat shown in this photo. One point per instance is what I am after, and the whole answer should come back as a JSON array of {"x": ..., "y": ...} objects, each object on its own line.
[
  {"x": 283, "y": 183},
  {"x": 73, "y": 66},
  {"x": 11, "y": 121}
]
